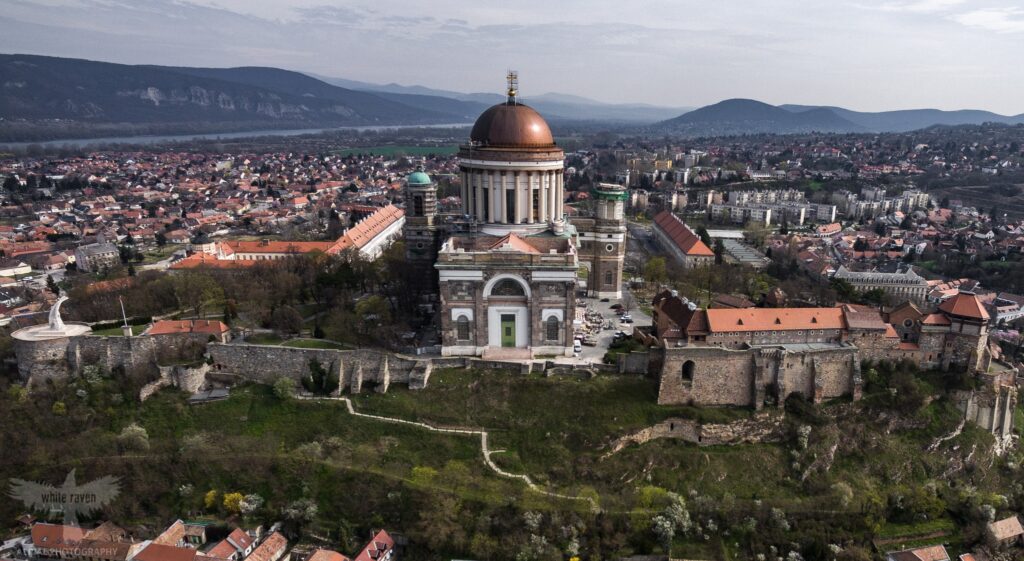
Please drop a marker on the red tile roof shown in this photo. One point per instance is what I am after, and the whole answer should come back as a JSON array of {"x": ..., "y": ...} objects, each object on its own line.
[
  {"x": 721, "y": 320},
  {"x": 236, "y": 542},
  {"x": 377, "y": 548},
  {"x": 935, "y": 319},
  {"x": 327, "y": 555},
  {"x": 169, "y": 326},
  {"x": 515, "y": 243},
  {"x": 965, "y": 305},
  {"x": 197, "y": 260},
  {"x": 271, "y": 548},
  {"x": 371, "y": 226},
  {"x": 681, "y": 235},
  {"x": 56, "y": 536},
  {"x": 160, "y": 552}
]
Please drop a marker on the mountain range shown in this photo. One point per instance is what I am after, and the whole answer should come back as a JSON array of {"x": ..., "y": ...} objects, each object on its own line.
[
  {"x": 51, "y": 89},
  {"x": 748, "y": 116}
]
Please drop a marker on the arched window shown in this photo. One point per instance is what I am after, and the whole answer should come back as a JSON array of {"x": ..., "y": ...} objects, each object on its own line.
[
  {"x": 417, "y": 205},
  {"x": 462, "y": 328},
  {"x": 508, "y": 287},
  {"x": 688, "y": 368},
  {"x": 551, "y": 328}
]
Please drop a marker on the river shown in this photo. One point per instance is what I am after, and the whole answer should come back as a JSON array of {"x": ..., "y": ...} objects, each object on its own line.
[{"x": 170, "y": 138}]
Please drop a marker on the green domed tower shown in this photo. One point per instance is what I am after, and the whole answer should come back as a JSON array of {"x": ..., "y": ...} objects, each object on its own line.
[{"x": 420, "y": 230}]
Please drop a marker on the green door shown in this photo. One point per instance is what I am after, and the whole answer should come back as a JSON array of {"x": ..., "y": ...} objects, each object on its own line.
[{"x": 508, "y": 330}]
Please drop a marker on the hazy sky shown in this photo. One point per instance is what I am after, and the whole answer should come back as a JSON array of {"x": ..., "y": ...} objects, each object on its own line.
[{"x": 866, "y": 54}]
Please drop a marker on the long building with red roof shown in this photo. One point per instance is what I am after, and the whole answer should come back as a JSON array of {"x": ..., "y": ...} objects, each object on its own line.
[
  {"x": 681, "y": 242},
  {"x": 370, "y": 237}
]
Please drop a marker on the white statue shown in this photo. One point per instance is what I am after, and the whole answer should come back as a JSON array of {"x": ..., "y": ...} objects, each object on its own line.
[{"x": 57, "y": 324}]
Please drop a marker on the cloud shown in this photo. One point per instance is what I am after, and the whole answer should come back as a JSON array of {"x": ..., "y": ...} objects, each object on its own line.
[
  {"x": 1000, "y": 20},
  {"x": 921, "y": 6}
]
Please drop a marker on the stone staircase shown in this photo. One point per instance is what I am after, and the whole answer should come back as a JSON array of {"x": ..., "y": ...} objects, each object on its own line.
[{"x": 507, "y": 353}]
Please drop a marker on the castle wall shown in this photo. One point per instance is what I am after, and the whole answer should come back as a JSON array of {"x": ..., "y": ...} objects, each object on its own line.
[
  {"x": 747, "y": 377},
  {"x": 719, "y": 377},
  {"x": 265, "y": 364},
  {"x": 39, "y": 361}
]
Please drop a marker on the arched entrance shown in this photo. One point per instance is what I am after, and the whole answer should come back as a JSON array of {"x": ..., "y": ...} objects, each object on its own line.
[
  {"x": 687, "y": 372},
  {"x": 507, "y": 300}
]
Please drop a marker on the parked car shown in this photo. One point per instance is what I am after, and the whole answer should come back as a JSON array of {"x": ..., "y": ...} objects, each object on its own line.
[
  {"x": 605, "y": 300},
  {"x": 616, "y": 306},
  {"x": 577, "y": 347},
  {"x": 590, "y": 341}
]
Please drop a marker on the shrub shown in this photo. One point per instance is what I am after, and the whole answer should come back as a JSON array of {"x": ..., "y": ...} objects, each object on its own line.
[
  {"x": 233, "y": 502},
  {"x": 284, "y": 389},
  {"x": 133, "y": 437}
]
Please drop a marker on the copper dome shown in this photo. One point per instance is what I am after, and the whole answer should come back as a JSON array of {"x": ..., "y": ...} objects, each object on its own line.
[{"x": 511, "y": 125}]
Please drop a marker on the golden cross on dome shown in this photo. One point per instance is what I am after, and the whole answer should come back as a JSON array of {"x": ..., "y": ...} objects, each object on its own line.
[{"x": 513, "y": 85}]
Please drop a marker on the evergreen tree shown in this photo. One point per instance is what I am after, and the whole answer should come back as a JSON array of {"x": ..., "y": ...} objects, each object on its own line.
[{"x": 51, "y": 285}]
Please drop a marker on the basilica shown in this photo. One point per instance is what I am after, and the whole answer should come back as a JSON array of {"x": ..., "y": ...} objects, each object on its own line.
[{"x": 507, "y": 270}]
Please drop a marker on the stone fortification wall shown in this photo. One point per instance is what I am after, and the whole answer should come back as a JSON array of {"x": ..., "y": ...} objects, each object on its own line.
[
  {"x": 714, "y": 376},
  {"x": 990, "y": 407},
  {"x": 133, "y": 354},
  {"x": 39, "y": 361},
  {"x": 189, "y": 379},
  {"x": 57, "y": 359},
  {"x": 717, "y": 376},
  {"x": 764, "y": 426},
  {"x": 356, "y": 368}
]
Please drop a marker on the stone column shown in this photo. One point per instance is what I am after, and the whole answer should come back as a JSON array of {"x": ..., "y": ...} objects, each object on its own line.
[
  {"x": 479, "y": 202},
  {"x": 517, "y": 185},
  {"x": 561, "y": 193},
  {"x": 552, "y": 195},
  {"x": 462, "y": 190},
  {"x": 529, "y": 198},
  {"x": 502, "y": 216},
  {"x": 543, "y": 194}
]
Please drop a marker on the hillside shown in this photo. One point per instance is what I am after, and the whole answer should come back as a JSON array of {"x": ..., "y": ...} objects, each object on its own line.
[
  {"x": 37, "y": 87},
  {"x": 747, "y": 116},
  {"x": 893, "y": 466},
  {"x": 912, "y": 119}
]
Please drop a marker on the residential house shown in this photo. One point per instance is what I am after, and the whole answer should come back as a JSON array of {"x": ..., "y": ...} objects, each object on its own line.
[
  {"x": 236, "y": 547},
  {"x": 1006, "y": 532}
]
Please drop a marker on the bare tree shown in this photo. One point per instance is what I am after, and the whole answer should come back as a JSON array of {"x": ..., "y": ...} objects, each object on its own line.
[{"x": 628, "y": 301}]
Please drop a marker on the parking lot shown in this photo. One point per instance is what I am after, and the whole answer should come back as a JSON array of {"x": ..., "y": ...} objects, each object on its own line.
[{"x": 605, "y": 336}]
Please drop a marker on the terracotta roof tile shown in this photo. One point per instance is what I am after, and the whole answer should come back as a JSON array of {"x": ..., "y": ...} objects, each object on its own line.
[
  {"x": 965, "y": 305},
  {"x": 271, "y": 548},
  {"x": 722, "y": 320},
  {"x": 168, "y": 326},
  {"x": 685, "y": 239},
  {"x": 327, "y": 555}
]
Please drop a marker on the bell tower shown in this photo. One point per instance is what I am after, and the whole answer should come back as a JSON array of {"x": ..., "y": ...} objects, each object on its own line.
[
  {"x": 608, "y": 242},
  {"x": 420, "y": 229}
]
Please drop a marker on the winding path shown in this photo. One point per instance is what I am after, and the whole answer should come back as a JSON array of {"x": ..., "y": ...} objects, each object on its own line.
[{"x": 466, "y": 432}]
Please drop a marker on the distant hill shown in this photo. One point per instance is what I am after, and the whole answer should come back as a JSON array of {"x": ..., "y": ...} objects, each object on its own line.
[
  {"x": 912, "y": 119},
  {"x": 551, "y": 105},
  {"x": 747, "y": 116},
  {"x": 38, "y": 87}
]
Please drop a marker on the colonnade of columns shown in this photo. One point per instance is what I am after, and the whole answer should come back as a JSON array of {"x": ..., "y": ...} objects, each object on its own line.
[{"x": 513, "y": 197}]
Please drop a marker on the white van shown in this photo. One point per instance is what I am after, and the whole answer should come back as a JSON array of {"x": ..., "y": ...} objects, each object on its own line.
[{"x": 577, "y": 347}]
